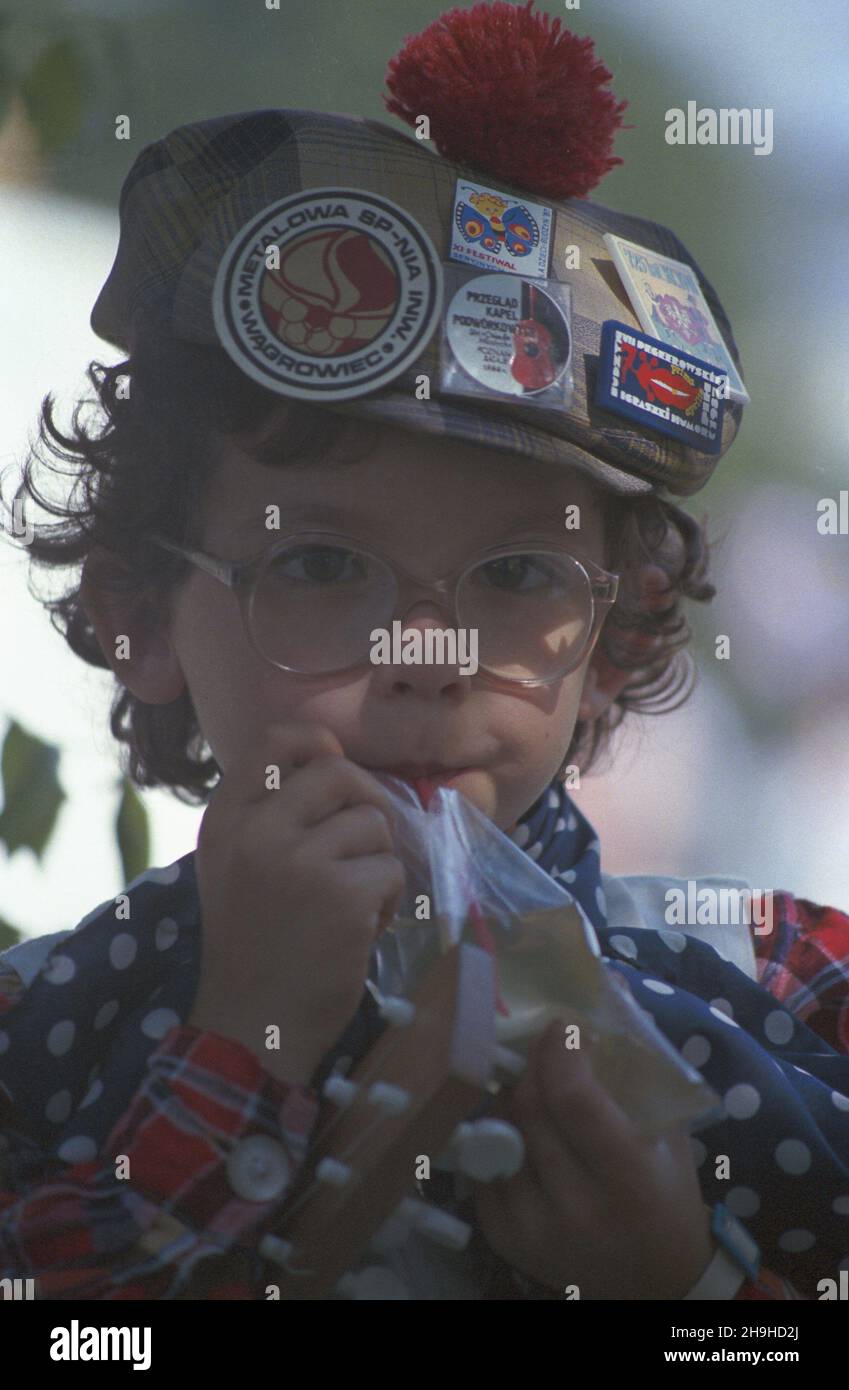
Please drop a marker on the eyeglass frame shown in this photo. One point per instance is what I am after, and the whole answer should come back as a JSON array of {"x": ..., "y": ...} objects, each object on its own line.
[{"x": 241, "y": 577}]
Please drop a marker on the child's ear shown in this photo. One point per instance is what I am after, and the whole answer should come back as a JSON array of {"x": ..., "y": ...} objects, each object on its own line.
[
  {"x": 602, "y": 683},
  {"x": 133, "y": 635}
]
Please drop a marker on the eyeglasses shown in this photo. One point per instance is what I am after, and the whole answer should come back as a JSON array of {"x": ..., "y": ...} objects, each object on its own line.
[{"x": 311, "y": 601}]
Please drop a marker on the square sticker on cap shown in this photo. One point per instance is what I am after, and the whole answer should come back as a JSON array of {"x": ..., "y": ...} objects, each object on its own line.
[
  {"x": 667, "y": 299},
  {"x": 496, "y": 231},
  {"x": 663, "y": 389}
]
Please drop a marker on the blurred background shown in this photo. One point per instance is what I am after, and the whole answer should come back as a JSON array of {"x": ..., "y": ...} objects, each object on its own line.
[{"x": 751, "y": 777}]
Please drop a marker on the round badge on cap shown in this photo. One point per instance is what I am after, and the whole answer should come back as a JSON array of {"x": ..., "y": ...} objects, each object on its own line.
[
  {"x": 509, "y": 334},
  {"x": 328, "y": 295}
]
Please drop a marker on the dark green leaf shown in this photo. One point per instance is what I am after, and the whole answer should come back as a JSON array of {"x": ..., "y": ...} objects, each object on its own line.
[
  {"x": 31, "y": 791},
  {"x": 132, "y": 831},
  {"x": 54, "y": 92}
]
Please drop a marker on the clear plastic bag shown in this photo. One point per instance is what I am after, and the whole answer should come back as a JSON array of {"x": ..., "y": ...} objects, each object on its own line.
[{"x": 475, "y": 884}]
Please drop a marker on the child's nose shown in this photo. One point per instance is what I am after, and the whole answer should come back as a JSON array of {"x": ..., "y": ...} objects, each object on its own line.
[
  {"x": 425, "y": 613},
  {"x": 440, "y": 654}
]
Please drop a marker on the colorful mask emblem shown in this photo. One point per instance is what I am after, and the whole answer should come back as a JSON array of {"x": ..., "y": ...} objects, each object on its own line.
[
  {"x": 516, "y": 230},
  {"x": 494, "y": 232},
  {"x": 663, "y": 389},
  {"x": 328, "y": 295}
]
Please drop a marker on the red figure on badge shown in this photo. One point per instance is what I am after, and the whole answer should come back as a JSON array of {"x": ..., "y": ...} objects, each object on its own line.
[
  {"x": 659, "y": 384},
  {"x": 532, "y": 365}
]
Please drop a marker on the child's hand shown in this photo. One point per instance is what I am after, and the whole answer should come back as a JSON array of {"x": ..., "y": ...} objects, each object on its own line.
[
  {"x": 294, "y": 885},
  {"x": 594, "y": 1204}
]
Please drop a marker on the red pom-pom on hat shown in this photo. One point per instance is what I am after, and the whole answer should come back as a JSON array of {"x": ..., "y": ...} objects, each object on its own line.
[{"x": 509, "y": 94}]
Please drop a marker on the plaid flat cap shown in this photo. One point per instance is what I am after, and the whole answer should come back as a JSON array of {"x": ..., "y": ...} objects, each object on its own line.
[{"x": 364, "y": 217}]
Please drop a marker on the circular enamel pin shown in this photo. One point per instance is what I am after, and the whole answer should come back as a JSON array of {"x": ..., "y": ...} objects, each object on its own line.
[
  {"x": 509, "y": 334},
  {"x": 328, "y": 295}
]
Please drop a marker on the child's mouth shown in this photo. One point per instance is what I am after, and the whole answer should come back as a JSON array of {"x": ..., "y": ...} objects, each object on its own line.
[{"x": 425, "y": 780}]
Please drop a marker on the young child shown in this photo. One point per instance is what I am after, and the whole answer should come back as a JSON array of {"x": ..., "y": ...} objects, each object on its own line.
[{"x": 301, "y": 448}]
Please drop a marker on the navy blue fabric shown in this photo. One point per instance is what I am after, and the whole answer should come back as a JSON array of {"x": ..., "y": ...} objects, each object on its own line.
[{"x": 75, "y": 1047}]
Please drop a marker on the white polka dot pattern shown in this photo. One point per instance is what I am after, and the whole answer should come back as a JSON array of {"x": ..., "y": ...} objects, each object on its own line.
[
  {"x": 158, "y": 1022},
  {"x": 742, "y": 1202},
  {"x": 110, "y": 996},
  {"x": 742, "y": 1101},
  {"x": 122, "y": 951},
  {"x": 796, "y": 1241},
  {"x": 778, "y": 1026},
  {"x": 166, "y": 933},
  {"x": 59, "y": 970},
  {"x": 793, "y": 1156},
  {"x": 106, "y": 1013},
  {"x": 696, "y": 1050},
  {"x": 58, "y": 1107},
  {"x": 624, "y": 946},
  {"x": 61, "y": 1037},
  {"x": 80, "y": 1149}
]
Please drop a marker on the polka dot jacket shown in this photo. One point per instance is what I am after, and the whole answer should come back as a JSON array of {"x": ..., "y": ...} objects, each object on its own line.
[{"x": 96, "y": 1063}]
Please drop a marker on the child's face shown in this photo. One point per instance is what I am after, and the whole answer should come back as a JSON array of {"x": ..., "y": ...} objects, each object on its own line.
[{"x": 430, "y": 505}]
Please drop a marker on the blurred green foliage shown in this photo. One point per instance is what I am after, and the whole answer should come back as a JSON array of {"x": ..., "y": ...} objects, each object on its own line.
[
  {"x": 43, "y": 60},
  {"x": 132, "y": 832},
  {"x": 53, "y": 92},
  {"x": 31, "y": 791},
  {"x": 32, "y": 797}
]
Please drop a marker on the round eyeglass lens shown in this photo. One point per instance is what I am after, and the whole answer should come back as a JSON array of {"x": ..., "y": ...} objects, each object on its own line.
[
  {"x": 315, "y": 604},
  {"x": 533, "y": 611}
]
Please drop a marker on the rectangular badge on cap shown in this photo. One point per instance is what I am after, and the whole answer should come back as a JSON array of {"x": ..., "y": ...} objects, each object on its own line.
[
  {"x": 497, "y": 231},
  {"x": 661, "y": 388},
  {"x": 667, "y": 299}
]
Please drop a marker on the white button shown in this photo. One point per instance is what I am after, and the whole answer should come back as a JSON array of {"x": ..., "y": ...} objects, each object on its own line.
[
  {"x": 258, "y": 1168},
  {"x": 487, "y": 1149}
]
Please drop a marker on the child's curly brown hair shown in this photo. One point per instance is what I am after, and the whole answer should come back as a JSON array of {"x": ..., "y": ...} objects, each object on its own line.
[{"x": 142, "y": 469}]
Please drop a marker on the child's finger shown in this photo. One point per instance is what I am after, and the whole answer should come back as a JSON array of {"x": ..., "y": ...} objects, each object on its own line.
[
  {"x": 328, "y": 785},
  {"x": 549, "y": 1162},
  {"x": 553, "y": 1168},
  {"x": 355, "y": 831},
  {"x": 287, "y": 746},
  {"x": 513, "y": 1211},
  {"x": 585, "y": 1116}
]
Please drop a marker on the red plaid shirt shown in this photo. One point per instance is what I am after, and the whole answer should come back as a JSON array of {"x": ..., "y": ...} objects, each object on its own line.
[{"x": 80, "y": 1232}]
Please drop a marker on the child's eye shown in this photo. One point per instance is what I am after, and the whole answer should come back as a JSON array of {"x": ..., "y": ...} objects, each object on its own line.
[
  {"x": 319, "y": 564},
  {"x": 516, "y": 572}
]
